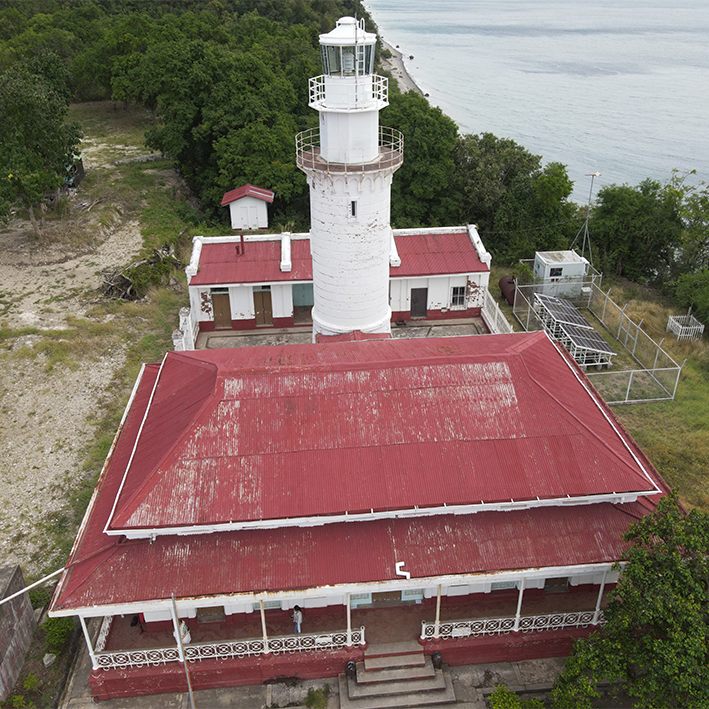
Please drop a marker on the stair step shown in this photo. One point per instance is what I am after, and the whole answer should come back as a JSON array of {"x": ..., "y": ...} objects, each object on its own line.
[
  {"x": 395, "y": 674},
  {"x": 398, "y": 701},
  {"x": 384, "y": 689},
  {"x": 393, "y": 661},
  {"x": 408, "y": 647}
]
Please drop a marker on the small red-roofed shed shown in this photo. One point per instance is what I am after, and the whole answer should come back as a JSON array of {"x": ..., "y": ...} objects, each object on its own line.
[{"x": 247, "y": 207}]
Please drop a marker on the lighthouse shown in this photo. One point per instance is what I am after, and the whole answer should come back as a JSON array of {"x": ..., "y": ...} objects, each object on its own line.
[{"x": 349, "y": 161}]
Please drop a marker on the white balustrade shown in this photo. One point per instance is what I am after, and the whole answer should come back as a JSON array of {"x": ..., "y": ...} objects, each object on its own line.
[
  {"x": 478, "y": 627},
  {"x": 304, "y": 642}
]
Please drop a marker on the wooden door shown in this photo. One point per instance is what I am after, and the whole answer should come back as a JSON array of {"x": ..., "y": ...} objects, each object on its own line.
[
  {"x": 222, "y": 310},
  {"x": 262, "y": 306},
  {"x": 419, "y": 302}
]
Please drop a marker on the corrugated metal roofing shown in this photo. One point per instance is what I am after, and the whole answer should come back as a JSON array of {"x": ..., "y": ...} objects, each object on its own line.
[
  {"x": 508, "y": 369},
  {"x": 247, "y": 191},
  {"x": 295, "y": 558},
  {"x": 404, "y": 422},
  {"x": 260, "y": 262},
  {"x": 421, "y": 255}
]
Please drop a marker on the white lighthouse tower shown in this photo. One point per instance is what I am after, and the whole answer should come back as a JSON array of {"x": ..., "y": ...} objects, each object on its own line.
[{"x": 349, "y": 161}]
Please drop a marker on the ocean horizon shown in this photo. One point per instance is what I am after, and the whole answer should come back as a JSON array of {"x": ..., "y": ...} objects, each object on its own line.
[{"x": 600, "y": 86}]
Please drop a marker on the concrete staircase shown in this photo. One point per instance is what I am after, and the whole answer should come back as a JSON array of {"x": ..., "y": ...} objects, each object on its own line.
[{"x": 395, "y": 676}]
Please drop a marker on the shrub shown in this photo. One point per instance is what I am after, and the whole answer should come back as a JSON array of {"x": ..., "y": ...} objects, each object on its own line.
[
  {"x": 317, "y": 698},
  {"x": 58, "y": 631},
  {"x": 503, "y": 698}
]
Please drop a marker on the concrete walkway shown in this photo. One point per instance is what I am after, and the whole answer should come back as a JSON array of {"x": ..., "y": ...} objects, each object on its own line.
[
  {"x": 472, "y": 683},
  {"x": 303, "y": 335}
]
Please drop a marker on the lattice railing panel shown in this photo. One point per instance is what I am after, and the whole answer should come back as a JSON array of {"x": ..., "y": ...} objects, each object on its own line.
[{"x": 479, "y": 627}]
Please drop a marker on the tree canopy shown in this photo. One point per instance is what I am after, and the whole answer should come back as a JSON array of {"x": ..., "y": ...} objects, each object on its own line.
[
  {"x": 655, "y": 643},
  {"x": 38, "y": 144}
]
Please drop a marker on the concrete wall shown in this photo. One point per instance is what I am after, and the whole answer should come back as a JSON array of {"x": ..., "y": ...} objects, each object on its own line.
[{"x": 16, "y": 628}]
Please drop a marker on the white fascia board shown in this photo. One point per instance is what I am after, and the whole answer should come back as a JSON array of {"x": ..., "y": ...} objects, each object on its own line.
[
  {"x": 430, "y": 230},
  {"x": 193, "y": 266},
  {"x": 398, "y": 584},
  {"x": 137, "y": 439},
  {"x": 482, "y": 252},
  {"x": 236, "y": 238},
  {"x": 415, "y": 512}
]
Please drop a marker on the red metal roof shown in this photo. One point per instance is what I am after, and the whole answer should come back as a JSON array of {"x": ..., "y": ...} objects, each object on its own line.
[
  {"x": 296, "y": 558},
  {"x": 436, "y": 254},
  {"x": 247, "y": 191},
  {"x": 273, "y": 430},
  {"x": 272, "y": 433},
  {"x": 421, "y": 255},
  {"x": 220, "y": 264}
]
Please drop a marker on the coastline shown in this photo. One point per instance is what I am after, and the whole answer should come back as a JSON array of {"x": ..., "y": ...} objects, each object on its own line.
[{"x": 395, "y": 64}]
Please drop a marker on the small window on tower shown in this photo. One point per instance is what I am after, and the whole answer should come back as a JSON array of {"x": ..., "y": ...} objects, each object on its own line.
[
  {"x": 458, "y": 296},
  {"x": 353, "y": 208}
]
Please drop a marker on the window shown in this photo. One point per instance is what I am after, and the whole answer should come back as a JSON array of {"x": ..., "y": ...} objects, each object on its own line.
[
  {"x": 503, "y": 585},
  {"x": 555, "y": 273},
  {"x": 353, "y": 208},
  {"x": 556, "y": 585},
  {"x": 458, "y": 296}
]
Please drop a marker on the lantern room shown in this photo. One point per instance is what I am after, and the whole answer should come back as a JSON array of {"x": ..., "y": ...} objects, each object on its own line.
[{"x": 348, "y": 50}]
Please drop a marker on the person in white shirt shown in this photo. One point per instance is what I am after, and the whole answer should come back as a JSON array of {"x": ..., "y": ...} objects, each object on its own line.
[{"x": 297, "y": 618}]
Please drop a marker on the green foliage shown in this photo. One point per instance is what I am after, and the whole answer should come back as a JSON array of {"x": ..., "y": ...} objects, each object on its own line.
[
  {"x": 57, "y": 633},
  {"x": 635, "y": 230},
  {"x": 503, "y": 698},
  {"x": 39, "y": 597},
  {"x": 421, "y": 186},
  {"x": 37, "y": 145},
  {"x": 31, "y": 682},
  {"x": 692, "y": 289},
  {"x": 655, "y": 638},
  {"x": 317, "y": 698},
  {"x": 518, "y": 206}
]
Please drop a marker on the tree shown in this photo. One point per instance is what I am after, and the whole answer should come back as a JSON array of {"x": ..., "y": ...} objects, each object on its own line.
[
  {"x": 37, "y": 145},
  {"x": 636, "y": 230},
  {"x": 421, "y": 186},
  {"x": 692, "y": 289},
  {"x": 656, "y": 638}
]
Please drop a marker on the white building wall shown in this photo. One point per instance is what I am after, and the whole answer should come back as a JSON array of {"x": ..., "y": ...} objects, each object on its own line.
[{"x": 248, "y": 213}]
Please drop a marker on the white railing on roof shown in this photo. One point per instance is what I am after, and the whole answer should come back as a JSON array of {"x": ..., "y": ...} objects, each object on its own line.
[
  {"x": 494, "y": 317},
  {"x": 479, "y": 627},
  {"x": 347, "y": 94},
  {"x": 226, "y": 649}
]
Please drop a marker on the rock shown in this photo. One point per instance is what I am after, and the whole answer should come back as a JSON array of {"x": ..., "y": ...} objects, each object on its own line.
[{"x": 49, "y": 659}]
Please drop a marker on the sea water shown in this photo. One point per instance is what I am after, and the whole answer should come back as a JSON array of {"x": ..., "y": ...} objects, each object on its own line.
[{"x": 619, "y": 87}]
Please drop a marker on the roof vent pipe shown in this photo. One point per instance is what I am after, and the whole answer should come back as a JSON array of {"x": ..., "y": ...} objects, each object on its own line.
[{"x": 400, "y": 570}]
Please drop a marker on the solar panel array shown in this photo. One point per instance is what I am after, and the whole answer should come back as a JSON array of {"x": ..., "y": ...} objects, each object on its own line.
[
  {"x": 562, "y": 311},
  {"x": 586, "y": 339}
]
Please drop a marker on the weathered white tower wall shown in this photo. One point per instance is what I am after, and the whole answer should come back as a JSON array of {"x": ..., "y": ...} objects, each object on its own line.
[
  {"x": 349, "y": 161},
  {"x": 350, "y": 253}
]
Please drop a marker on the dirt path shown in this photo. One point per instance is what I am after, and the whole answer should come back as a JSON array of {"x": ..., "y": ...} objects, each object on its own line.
[{"x": 47, "y": 412}]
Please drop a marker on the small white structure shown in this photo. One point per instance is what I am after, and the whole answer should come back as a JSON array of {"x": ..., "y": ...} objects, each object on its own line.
[
  {"x": 559, "y": 264},
  {"x": 685, "y": 327},
  {"x": 247, "y": 207},
  {"x": 349, "y": 162}
]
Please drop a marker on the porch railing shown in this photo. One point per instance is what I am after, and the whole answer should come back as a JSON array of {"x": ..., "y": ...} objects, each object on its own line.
[
  {"x": 305, "y": 642},
  {"x": 478, "y": 627}
]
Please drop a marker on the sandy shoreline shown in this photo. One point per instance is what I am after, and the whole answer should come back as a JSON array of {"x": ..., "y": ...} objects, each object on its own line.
[{"x": 395, "y": 64}]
